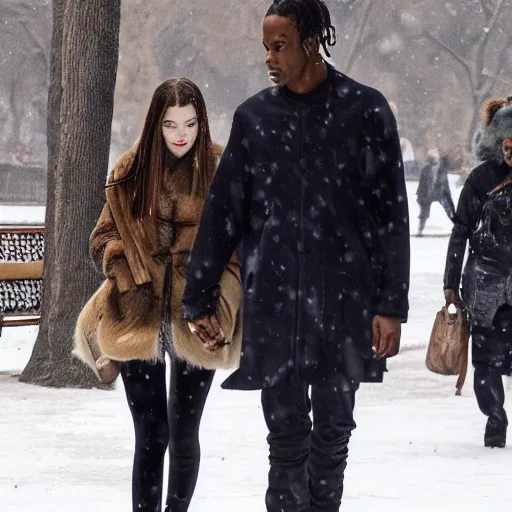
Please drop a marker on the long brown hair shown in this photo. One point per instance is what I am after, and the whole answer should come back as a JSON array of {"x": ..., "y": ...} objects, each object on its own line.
[{"x": 145, "y": 172}]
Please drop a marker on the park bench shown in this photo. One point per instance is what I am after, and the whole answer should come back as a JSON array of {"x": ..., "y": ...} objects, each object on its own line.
[{"x": 21, "y": 271}]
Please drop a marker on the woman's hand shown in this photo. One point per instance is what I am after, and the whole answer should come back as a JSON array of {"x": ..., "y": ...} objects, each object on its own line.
[
  {"x": 452, "y": 297},
  {"x": 207, "y": 329}
]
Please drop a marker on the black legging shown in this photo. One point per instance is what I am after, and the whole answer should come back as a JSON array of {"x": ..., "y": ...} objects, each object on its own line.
[{"x": 159, "y": 424}]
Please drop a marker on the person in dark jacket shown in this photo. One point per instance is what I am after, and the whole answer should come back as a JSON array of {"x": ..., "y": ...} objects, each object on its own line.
[
  {"x": 434, "y": 187},
  {"x": 484, "y": 217},
  {"x": 311, "y": 184}
]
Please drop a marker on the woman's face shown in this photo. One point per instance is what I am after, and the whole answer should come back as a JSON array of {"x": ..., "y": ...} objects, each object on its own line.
[
  {"x": 180, "y": 129},
  {"x": 507, "y": 151}
]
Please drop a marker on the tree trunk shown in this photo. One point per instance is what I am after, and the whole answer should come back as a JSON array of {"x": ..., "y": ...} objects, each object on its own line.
[
  {"x": 355, "y": 42},
  {"x": 84, "y": 55},
  {"x": 473, "y": 125}
]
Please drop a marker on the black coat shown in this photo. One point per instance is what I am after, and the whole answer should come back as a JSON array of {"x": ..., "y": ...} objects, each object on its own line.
[
  {"x": 429, "y": 190},
  {"x": 313, "y": 187},
  {"x": 484, "y": 219}
]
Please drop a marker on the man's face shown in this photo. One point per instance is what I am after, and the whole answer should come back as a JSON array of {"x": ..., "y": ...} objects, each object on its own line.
[
  {"x": 286, "y": 57},
  {"x": 507, "y": 151}
]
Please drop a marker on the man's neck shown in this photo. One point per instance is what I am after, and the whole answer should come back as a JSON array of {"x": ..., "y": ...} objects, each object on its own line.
[{"x": 313, "y": 76}]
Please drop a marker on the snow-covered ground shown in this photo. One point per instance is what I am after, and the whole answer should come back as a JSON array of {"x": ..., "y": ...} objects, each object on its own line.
[
  {"x": 417, "y": 446},
  {"x": 10, "y": 214}
]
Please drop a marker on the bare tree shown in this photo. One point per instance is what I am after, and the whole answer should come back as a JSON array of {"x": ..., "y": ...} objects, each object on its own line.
[
  {"x": 485, "y": 52},
  {"x": 361, "y": 36},
  {"x": 84, "y": 55},
  {"x": 23, "y": 81}
]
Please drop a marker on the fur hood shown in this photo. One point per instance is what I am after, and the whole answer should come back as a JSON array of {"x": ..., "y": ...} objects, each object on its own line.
[{"x": 495, "y": 125}]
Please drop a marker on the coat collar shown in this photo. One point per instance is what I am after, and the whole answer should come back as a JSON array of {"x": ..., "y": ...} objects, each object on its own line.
[{"x": 318, "y": 95}]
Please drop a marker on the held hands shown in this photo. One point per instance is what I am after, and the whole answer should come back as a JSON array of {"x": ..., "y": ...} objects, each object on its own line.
[
  {"x": 207, "y": 329},
  {"x": 386, "y": 336}
]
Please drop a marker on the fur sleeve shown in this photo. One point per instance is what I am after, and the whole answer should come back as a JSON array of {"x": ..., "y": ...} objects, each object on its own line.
[
  {"x": 107, "y": 253},
  {"x": 105, "y": 230},
  {"x": 115, "y": 266},
  {"x": 105, "y": 244},
  {"x": 103, "y": 233}
]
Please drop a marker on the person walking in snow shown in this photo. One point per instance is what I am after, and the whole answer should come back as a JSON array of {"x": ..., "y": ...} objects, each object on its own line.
[
  {"x": 311, "y": 183},
  {"x": 141, "y": 243},
  {"x": 434, "y": 187},
  {"x": 484, "y": 218}
]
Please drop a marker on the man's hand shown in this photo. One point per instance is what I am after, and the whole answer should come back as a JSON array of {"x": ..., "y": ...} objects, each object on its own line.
[
  {"x": 386, "y": 336},
  {"x": 207, "y": 329}
]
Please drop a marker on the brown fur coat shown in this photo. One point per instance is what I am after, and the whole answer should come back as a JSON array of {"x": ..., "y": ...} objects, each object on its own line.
[{"x": 122, "y": 320}]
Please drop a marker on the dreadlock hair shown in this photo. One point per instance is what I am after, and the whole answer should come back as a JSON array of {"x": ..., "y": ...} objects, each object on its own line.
[
  {"x": 144, "y": 174},
  {"x": 312, "y": 18}
]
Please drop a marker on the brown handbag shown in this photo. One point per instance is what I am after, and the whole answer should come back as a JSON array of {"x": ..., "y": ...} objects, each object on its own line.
[{"x": 447, "y": 352}]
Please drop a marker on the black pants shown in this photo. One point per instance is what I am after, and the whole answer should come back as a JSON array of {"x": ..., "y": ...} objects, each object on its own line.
[
  {"x": 445, "y": 201},
  {"x": 492, "y": 358},
  {"x": 307, "y": 459},
  {"x": 490, "y": 393},
  {"x": 160, "y": 423}
]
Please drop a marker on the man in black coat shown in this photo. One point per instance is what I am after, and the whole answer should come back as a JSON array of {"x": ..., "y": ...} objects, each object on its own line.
[
  {"x": 434, "y": 187},
  {"x": 311, "y": 184}
]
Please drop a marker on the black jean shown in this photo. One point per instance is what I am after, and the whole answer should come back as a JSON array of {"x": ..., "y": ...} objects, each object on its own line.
[
  {"x": 162, "y": 422},
  {"x": 307, "y": 458}
]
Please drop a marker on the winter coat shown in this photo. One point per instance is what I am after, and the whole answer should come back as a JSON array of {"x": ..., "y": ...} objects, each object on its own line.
[
  {"x": 484, "y": 218},
  {"x": 122, "y": 320},
  {"x": 313, "y": 186},
  {"x": 429, "y": 190}
]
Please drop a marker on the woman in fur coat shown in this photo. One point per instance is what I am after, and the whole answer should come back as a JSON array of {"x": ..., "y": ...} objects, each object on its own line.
[
  {"x": 141, "y": 243},
  {"x": 484, "y": 217}
]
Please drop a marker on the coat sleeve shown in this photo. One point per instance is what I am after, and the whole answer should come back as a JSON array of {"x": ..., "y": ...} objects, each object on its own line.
[
  {"x": 423, "y": 186},
  {"x": 222, "y": 226},
  {"x": 469, "y": 209},
  {"x": 107, "y": 252},
  {"x": 104, "y": 234},
  {"x": 389, "y": 208}
]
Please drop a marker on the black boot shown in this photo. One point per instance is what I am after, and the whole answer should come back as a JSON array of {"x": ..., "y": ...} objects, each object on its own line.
[
  {"x": 490, "y": 395},
  {"x": 495, "y": 434}
]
